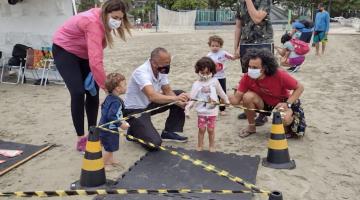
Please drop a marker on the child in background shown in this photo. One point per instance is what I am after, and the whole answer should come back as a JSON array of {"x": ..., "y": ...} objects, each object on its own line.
[
  {"x": 207, "y": 88},
  {"x": 111, "y": 110},
  {"x": 288, "y": 56},
  {"x": 219, "y": 56}
]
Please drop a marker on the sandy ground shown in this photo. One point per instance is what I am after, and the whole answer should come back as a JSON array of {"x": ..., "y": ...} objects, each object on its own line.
[{"x": 327, "y": 158}]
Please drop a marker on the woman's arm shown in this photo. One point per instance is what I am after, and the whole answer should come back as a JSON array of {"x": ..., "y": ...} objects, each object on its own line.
[
  {"x": 94, "y": 37},
  {"x": 237, "y": 39},
  {"x": 256, "y": 15}
]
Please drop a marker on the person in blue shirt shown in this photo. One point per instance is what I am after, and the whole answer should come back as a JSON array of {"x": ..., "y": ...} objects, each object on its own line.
[
  {"x": 302, "y": 30},
  {"x": 112, "y": 110},
  {"x": 321, "y": 29}
]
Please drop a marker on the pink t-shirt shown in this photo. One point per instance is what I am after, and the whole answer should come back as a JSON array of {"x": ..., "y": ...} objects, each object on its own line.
[
  {"x": 272, "y": 89},
  {"x": 84, "y": 36}
]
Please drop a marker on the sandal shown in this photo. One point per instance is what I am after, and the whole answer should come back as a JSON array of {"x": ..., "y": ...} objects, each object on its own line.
[{"x": 246, "y": 132}]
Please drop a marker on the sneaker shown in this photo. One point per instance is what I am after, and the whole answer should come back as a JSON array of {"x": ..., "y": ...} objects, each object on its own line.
[
  {"x": 81, "y": 144},
  {"x": 294, "y": 69},
  {"x": 172, "y": 137},
  {"x": 261, "y": 120},
  {"x": 242, "y": 116}
]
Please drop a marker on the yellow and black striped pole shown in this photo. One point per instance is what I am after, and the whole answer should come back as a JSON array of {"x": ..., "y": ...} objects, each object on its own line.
[
  {"x": 92, "y": 171},
  {"x": 278, "y": 154}
]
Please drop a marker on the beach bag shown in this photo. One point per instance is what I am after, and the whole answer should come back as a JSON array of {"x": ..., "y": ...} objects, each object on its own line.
[
  {"x": 300, "y": 47},
  {"x": 18, "y": 55}
]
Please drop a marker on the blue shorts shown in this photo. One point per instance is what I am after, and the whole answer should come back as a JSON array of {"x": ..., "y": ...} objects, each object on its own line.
[{"x": 110, "y": 141}]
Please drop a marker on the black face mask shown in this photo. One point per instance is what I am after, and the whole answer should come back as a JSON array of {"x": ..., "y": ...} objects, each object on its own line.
[{"x": 164, "y": 69}]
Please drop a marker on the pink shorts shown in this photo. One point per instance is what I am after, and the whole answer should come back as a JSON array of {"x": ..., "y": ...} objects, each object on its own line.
[{"x": 206, "y": 121}]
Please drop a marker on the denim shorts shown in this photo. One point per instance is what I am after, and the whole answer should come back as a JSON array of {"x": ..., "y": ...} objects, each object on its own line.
[{"x": 110, "y": 141}]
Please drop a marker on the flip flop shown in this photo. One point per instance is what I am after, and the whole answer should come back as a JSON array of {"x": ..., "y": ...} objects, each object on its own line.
[{"x": 245, "y": 133}]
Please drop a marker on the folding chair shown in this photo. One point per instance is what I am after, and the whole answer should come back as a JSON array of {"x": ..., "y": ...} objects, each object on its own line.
[
  {"x": 19, "y": 70},
  {"x": 35, "y": 61}
]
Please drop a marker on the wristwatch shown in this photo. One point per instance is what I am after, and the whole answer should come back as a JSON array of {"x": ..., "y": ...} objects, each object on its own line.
[{"x": 289, "y": 104}]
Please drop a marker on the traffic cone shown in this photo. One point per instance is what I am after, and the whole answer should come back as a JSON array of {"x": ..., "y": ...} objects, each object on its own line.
[
  {"x": 275, "y": 195},
  {"x": 92, "y": 171},
  {"x": 278, "y": 154}
]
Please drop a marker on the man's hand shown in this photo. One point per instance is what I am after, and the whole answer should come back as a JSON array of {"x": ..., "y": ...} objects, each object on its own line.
[
  {"x": 281, "y": 106},
  {"x": 182, "y": 99}
]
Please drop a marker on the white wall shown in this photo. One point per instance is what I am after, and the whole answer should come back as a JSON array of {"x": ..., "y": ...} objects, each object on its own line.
[{"x": 31, "y": 22}]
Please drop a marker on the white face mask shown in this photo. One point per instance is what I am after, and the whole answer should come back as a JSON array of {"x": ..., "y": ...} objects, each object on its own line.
[
  {"x": 113, "y": 23},
  {"x": 254, "y": 73},
  {"x": 204, "y": 77}
]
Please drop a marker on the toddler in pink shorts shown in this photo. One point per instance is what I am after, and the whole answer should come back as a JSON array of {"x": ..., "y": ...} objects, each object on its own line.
[{"x": 205, "y": 92}]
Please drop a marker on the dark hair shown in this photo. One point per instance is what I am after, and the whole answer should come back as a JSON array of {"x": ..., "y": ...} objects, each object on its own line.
[
  {"x": 286, "y": 37},
  {"x": 217, "y": 39},
  {"x": 321, "y": 5},
  {"x": 268, "y": 60},
  {"x": 112, "y": 81},
  {"x": 307, "y": 23},
  {"x": 203, "y": 63}
]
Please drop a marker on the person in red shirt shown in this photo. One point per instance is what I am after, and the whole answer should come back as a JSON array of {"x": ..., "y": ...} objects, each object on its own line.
[{"x": 265, "y": 87}]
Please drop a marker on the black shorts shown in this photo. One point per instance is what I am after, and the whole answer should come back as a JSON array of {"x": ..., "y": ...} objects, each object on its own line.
[{"x": 267, "y": 108}]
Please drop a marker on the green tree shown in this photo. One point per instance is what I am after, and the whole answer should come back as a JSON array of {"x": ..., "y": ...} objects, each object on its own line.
[
  {"x": 188, "y": 5},
  {"x": 87, "y": 4},
  {"x": 337, "y": 7}
]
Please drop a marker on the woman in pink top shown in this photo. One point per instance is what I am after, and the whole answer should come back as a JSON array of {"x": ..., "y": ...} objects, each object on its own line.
[{"x": 78, "y": 54}]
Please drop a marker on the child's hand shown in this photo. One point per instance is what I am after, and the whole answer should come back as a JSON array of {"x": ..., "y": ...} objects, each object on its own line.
[
  {"x": 125, "y": 126},
  {"x": 187, "y": 113}
]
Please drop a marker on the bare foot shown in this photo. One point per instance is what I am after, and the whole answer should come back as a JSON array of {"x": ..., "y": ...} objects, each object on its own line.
[
  {"x": 199, "y": 148},
  {"x": 212, "y": 149}
]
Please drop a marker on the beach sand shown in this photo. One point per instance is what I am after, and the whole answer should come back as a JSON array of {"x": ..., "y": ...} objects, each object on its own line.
[{"x": 327, "y": 158}]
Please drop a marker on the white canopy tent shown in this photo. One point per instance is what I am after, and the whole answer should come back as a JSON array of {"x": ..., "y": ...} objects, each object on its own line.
[{"x": 32, "y": 22}]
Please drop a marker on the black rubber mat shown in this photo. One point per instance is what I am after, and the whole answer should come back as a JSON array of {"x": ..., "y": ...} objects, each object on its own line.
[
  {"x": 29, "y": 151},
  {"x": 161, "y": 170}
]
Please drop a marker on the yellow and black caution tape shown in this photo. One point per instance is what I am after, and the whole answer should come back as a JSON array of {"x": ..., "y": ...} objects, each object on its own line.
[
  {"x": 196, "y": 162},
  {"x": 62, "y": 193},
  {"x": 137, "y": 115},
  {"x": 231, "y": 106}
]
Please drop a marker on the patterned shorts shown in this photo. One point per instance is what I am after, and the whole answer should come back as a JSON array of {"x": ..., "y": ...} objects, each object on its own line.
[{"x": 206, "y": 121}]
